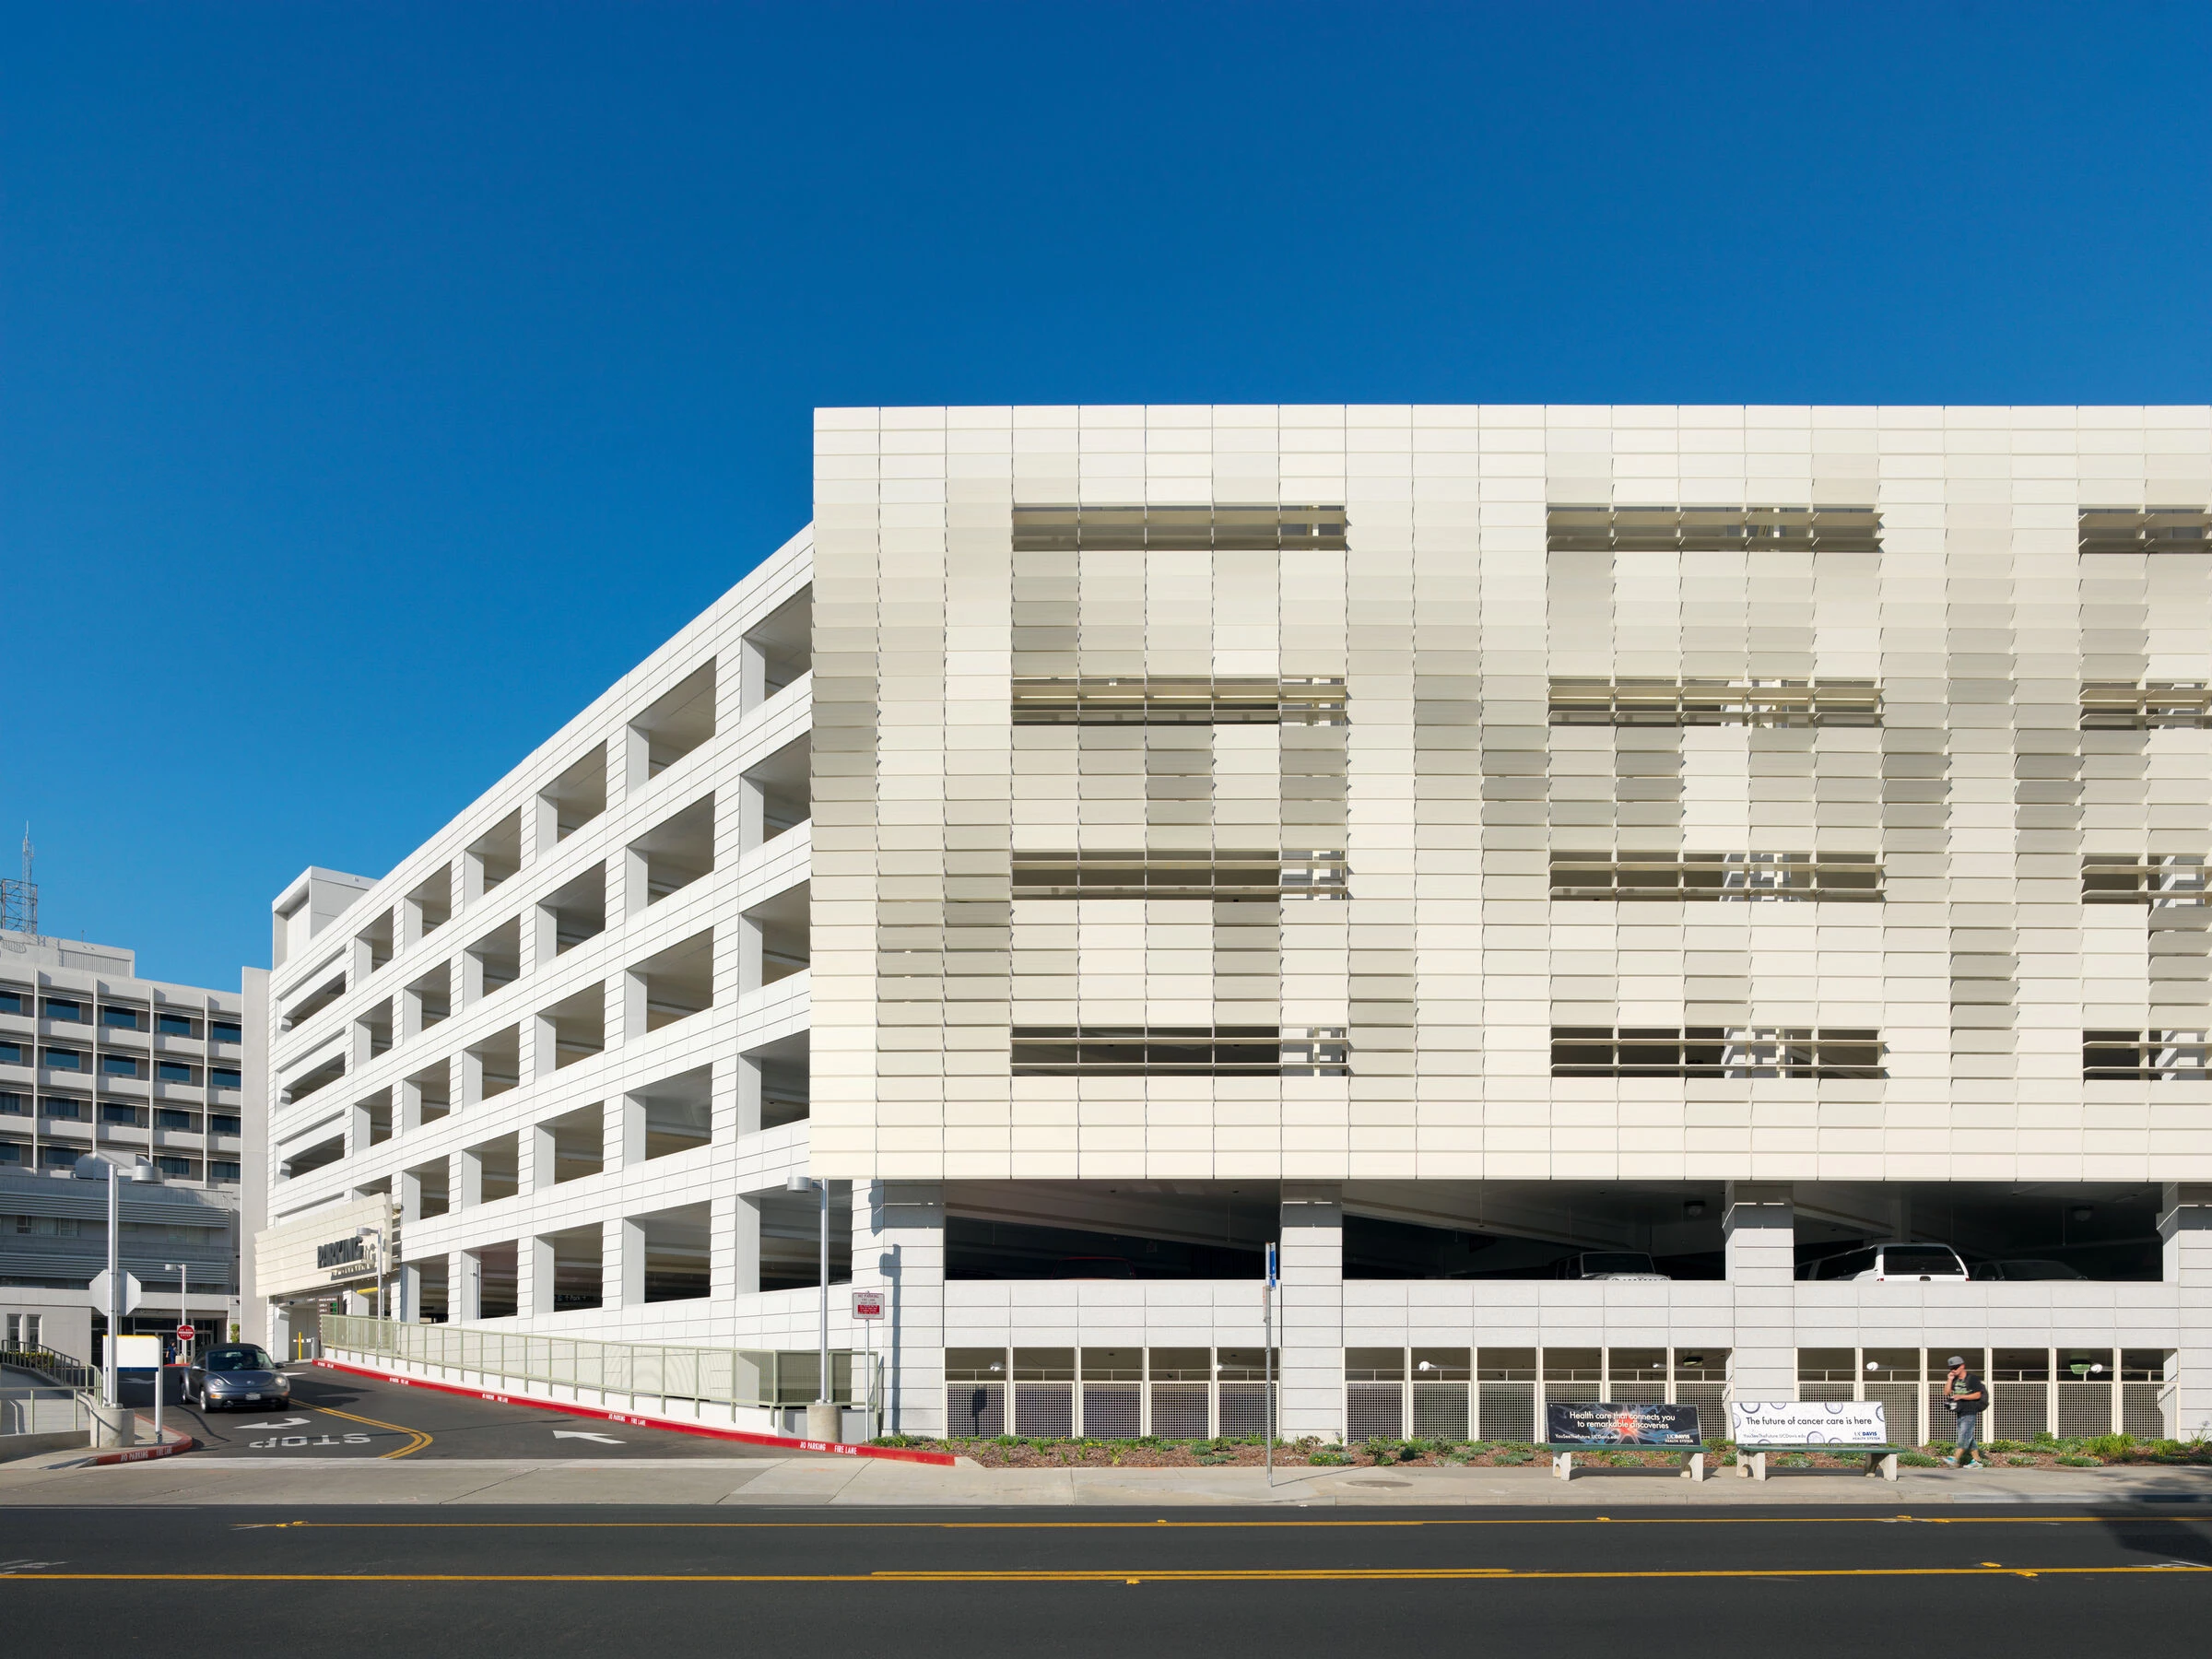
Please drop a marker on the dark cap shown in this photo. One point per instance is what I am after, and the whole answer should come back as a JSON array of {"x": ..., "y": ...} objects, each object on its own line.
[{"x": 1956, "y": 1360}]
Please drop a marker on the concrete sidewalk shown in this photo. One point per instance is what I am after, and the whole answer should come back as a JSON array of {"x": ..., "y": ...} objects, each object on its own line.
[{"x": 810, "y": 1482}]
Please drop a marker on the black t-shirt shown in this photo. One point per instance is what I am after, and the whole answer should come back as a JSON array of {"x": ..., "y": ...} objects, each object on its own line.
[{"x": 1973, "y": 1385}]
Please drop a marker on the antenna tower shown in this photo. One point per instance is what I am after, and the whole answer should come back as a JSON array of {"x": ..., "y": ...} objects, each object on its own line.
[{"x": 19, "y": 899}]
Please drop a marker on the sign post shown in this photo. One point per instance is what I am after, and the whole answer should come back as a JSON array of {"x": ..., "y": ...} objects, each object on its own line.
[
  {"x": 1268, "y": 1342},
  {"x": 868, "y": 1307}
]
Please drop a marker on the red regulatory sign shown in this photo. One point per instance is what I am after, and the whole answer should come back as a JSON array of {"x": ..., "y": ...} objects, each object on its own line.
[
  {"x": 867, "y": 1304},
  {"x": 186, "y": 1333}
]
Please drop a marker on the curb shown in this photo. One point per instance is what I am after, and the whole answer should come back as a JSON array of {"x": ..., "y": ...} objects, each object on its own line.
[
  {"x": 745, "y": 1437},
  {"x": 142, "y": 1453}
]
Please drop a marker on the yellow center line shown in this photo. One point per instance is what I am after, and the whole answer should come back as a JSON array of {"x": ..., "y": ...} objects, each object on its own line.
[
  {"x": 1102, "y": 1575},
  {"x": 417, "y": 1439},
  {"x": 1231, "y": 1526}
]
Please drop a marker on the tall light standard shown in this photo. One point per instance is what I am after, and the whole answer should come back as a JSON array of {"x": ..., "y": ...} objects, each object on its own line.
[
  {"x": 823, "y": 1421},
  {"x": 97, "y": 1169},
  {"x": 183, "y": 1272}
]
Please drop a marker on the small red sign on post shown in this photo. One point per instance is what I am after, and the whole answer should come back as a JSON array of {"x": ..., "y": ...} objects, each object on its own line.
[
  {"x": 867, "y": 1304},
  {"x": 186, "y": 1333}
]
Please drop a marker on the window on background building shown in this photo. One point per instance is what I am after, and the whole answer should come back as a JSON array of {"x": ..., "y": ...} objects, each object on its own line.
[
  {"x": 221, "y": 1125},
  {"x": 173, "y": 1025},
  {"x": 2144, "y": 529},
  {"x": 219, "y": 1077},
  {"x": 13, "y": 1002},
  {"x": 15, "y": 1105},
  {"x": 57, "y": 1106},
  {"x": 2145, "y": 1057},
  {"x": 1713, "y": 1051},
  {"x": 126, "y": 1018},
  {"x": 1724, "y": 877},
  {"x": 173, "y": 1166},
  {"x": 58, "y": 1158},
  {"x": 222, "y": 1169},
  {"x": 169, "y": 1118},
  {"x": 1609, "y": 529},
  {"x": 14, "y": 1053},
  {"x": 14, "y": 1153},
  {"x": 222, "y": 1031},
  {"x": 67, "y": 1060},
  {"x": 173, "y": 1071},
  {"x": 120, "y": 1065},
  {"x": 61, "y": 1008},
  {"x": 111, "y": 1114},
  {"x": 1715, "y": 703}
]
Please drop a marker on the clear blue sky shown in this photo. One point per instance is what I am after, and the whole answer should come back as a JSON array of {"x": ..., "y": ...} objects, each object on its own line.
[{"x": 379, "y": 382}]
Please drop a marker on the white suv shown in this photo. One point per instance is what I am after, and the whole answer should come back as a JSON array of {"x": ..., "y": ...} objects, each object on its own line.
[{"x": 1914, "y": 1262}]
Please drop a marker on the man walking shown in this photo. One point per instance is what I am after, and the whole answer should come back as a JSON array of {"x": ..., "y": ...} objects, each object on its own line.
[{"x": 1967, "y": 1397}]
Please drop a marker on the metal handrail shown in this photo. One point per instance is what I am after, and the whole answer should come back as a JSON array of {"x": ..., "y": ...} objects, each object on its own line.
[
  {"x": 62, "y": 1371},
  {"x": 737, "y": 1377}
]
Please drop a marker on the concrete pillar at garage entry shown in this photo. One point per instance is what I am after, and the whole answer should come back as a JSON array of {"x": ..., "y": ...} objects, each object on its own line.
[
  {"x": 1310, "y": 1309},
  {"x": 1761, "y": 1230},
  {"x": 2185, "y": 1225}
]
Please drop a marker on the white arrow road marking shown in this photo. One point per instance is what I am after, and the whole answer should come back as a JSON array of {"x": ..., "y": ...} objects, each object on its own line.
[
  {"x": 10, "y": 1567},
  {"x": 605, "y": 1440},
  {"x": 282, "y": 1423}
]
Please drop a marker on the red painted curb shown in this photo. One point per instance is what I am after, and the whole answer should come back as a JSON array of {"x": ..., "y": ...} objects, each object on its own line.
[
  {"x": 894, "y": 1454},
  {"x": 142, "y": 1453}
]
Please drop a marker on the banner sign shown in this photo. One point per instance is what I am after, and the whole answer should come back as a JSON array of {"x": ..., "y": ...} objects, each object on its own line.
[
  {"x": 1602, "y": 1423},
  {"x": 1808, "y": 1423}
]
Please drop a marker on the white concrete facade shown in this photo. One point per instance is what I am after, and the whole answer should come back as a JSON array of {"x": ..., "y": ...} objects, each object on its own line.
[{"x": 1909, "y": 685}]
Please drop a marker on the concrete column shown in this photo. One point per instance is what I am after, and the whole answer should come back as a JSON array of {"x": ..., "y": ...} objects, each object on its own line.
[
  {"x": 746, "y": 1104},
  {"x": 541, "y": 938},
  {"x": 752, "y": 815},
  {"x": 541, "y": 829},
  {"x": 752, "y": 676},
  {"x": 464, "y": 1181},
  {"x": 540, "y": 1044},
  {"x": 409, "y": 1194},
  {"x": 410, "y": 922},
  {"x": 532, "y": 1276},
  {"x": 749, "y": 954},
  {"x": 464, "y": 1285},
  {"x": 2185, "y": 1224},
  {"x": 630, "y": 989},
  {"x": 1309, "y": 1317},
  {"x": 534, "y": 1160},
  {"x": 634, "y": 770},
  {"x": 622, "y": 1258},
  {"x": 899, "y": 1249},
  {"x": 470, "y": 1091},
  {"x": 472, "y": 879},
  {"x": 625, "y": 1117},
  {"x": 357, "y": 1130},
  {"x": 467, "y": 981},
  {"x": 735, "y": 1249},
  {"x": 406, "y": 1106},
  {"x": 406, "y": 1293},
  {"x": 1761, "y": 1229}
]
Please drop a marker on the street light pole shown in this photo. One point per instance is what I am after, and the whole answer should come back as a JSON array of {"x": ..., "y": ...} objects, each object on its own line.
[
  {"x": 822, "y": 1397},
  {"x": 799, "y": 1183},
  {"x": 183, "y": 1273},
  {"x": 107, "y": 1366}
]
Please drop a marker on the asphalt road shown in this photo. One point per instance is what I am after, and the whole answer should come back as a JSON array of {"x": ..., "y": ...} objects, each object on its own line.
[
  {"x": 334, "y": 1414},
  {"x": 491, "y": 1581}
]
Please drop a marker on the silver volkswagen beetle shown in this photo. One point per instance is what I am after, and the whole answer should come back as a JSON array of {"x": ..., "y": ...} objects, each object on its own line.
[{"x": 237, "y": 1373}]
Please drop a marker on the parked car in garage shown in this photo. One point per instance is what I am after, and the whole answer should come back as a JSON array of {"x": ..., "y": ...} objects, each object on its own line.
[
  {"x": 1608, "y": 1264},
  {"x": 1888, "y": 1261},
  {"x": 237, "y": 1373},
  {"x": 2026, "y": 1270}
]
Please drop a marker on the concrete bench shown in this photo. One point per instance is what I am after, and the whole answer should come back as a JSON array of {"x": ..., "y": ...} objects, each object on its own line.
[
  {"x": 1880, "y": 1460},
  {"x": 1563, "y": 1456}
]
